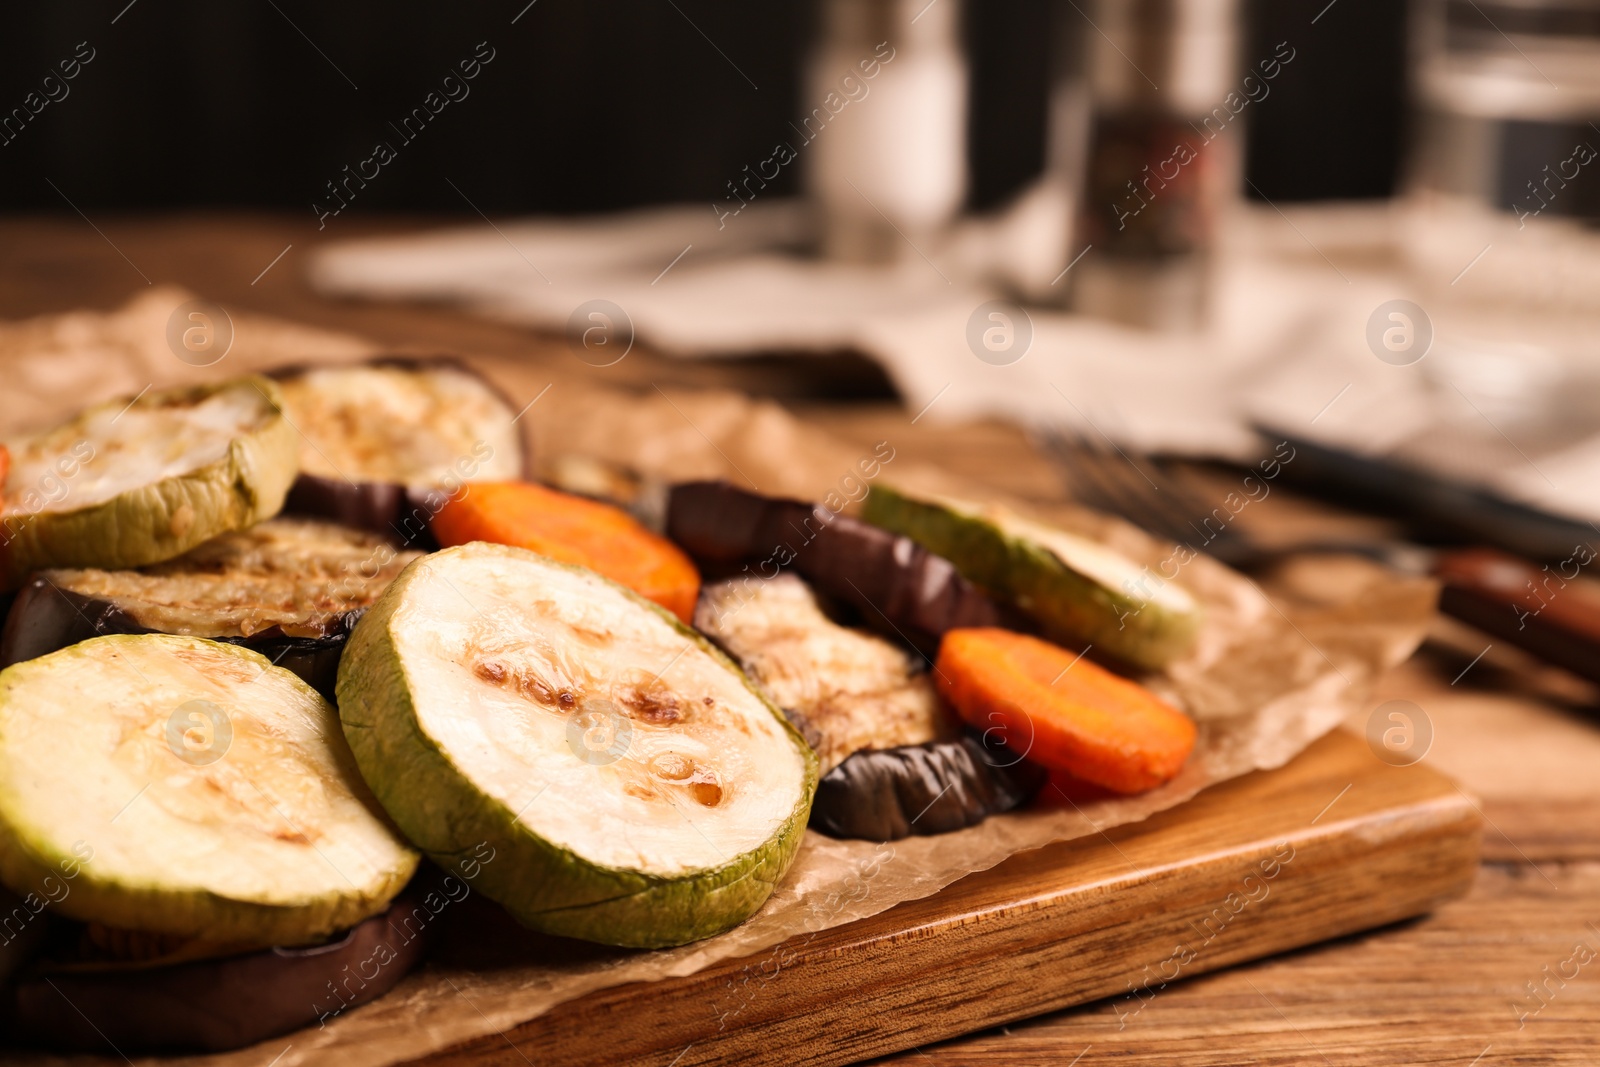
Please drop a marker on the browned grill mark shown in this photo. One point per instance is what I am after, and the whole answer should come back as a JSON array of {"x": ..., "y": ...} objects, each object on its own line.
[
  {"x": 651, "y": 702},
  {"x": 706, "y": 789},
  {"x": 672, "y": 766}
]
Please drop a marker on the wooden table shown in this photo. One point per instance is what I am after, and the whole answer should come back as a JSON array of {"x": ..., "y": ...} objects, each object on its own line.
[{"x": 1452, "y": 988}]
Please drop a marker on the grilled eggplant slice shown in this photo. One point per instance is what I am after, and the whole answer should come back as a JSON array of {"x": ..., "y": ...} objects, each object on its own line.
[
  {"x": 214, "y": 1005},
  {"x": 290, "y": 589},
  {"x": 843, "y": 689},
  {"x": 636, "y": 789},
  {"x": 215, "y": 792},
  {"x": 893, "y": 759},
  {"x": 130, "y": 483},
  {"x": 931, "y": 788},
  {"x": 382, "y": 443},
  {"x": 1080, "y": 591},
  {"x": 895, "y": 585}
]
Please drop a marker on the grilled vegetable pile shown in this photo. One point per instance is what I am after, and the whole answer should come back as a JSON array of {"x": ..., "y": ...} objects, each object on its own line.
[
  {"x": 533, "y": 688},
  {"x": 194, "y": 802},
  {"x": 893, "y": 765}
]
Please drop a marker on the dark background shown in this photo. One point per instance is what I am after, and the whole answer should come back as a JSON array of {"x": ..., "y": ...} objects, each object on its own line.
[{"x": 586, "y": 106}]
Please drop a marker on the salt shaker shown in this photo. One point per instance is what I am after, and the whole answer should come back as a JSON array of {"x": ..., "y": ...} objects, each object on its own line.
[{"x": 882, "y": 129}]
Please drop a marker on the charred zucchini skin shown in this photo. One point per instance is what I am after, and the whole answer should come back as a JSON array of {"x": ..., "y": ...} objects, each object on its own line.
[
  {"x": 542, "y": 885},
  {"x": 1069, "y": 607},
  {"x": 45, "y": 618},
  {"x": 898, "y": 587},
  {"x": 164, "y": 519},
  {"x": 934, "y": 788}
]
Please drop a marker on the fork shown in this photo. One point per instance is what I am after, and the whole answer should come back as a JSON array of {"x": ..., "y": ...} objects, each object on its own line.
[
  {"x": 1150, "y": 494},
  {"x": 1503, "y": 595}
]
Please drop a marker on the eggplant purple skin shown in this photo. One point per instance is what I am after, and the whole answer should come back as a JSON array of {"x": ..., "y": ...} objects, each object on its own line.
[
  {"x": 221, "y": 1004},
  {"x": 402, "y": 514},
  {"x": 45, "y": 618},
  {"x": 933, "y": 788},
  {"x": 896, "y": 585},
  {"x": 395, "y": 511}
]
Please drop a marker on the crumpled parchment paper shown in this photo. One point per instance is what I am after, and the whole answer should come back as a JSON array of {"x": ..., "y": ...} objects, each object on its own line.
[{"x": 1264, "y": 682}]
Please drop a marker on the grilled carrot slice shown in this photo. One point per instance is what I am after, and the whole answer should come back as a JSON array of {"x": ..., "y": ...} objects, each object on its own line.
[
  {"x": 573, "y": 529},
  {"x": 1063, "y": 711}
]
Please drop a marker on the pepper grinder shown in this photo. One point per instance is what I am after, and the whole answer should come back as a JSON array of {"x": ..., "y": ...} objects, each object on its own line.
[
  {"x": 882, "y": 129},
  {"x": 1164, "y": 154}
]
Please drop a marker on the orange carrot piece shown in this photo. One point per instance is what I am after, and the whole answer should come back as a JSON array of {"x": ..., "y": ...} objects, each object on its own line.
[
  {"x": 1062, "y": 711},
  {"x": 573, "y": 529}
]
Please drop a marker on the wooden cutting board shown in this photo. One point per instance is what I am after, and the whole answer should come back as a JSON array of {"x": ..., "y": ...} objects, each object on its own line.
[{"x": 1333, "y": 843}]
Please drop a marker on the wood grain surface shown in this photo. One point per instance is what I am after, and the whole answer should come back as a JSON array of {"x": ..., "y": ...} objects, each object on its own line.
[
  {"x": 1522, "y": 739},
  {"x": 1335, "y": 842}
]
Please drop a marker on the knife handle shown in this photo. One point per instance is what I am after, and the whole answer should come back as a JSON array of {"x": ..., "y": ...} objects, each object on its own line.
[{"x": 1552, "y": 612}]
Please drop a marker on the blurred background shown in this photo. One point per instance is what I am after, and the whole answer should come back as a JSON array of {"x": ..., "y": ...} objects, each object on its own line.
[
  {"x": 1184, "y": 226},
  {"x": 590, "y": 106}
]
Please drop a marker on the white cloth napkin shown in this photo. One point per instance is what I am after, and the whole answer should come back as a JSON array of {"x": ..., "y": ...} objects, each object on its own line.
[{"x": 1287, "y": 346}]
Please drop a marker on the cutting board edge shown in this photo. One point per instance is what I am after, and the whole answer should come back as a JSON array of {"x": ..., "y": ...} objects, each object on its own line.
[{"x": 812, "y": 1004}]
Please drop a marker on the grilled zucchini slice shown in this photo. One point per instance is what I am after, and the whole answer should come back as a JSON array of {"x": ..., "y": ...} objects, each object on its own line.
[
  {"x": 212, "y": 790},
  {"x": 1079, "y": 591},
  {"x": 634, "y": 787},
  {"x": 126, "y": 483}
]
